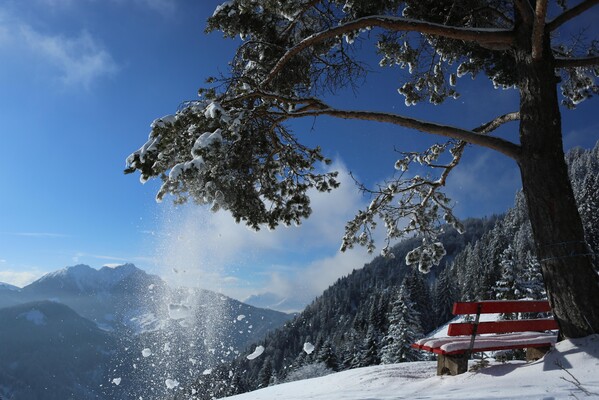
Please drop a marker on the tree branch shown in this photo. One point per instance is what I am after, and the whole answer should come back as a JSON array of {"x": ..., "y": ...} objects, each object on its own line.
[
  {"x": 306, "y": 7},
  {"x": 499, "y": 39},
  {"x": 505, "y": 147},
  {"x": 497, "y": 122},
  {"x": 525, "y": 10},
  {"x": 576, "y": 62},
  {"x": 538, "y": 30},
  {"x": 571, "y": 13}
]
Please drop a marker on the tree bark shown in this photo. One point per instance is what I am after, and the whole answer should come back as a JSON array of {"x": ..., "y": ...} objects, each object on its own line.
[{"x": 571, "y": 281}]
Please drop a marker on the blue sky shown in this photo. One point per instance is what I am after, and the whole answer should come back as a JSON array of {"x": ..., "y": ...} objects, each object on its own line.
[{"x": 81, "y": 80}]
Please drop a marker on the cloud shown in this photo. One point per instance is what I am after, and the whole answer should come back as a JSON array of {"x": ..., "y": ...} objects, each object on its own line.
[
  {"x": 75, "y": 61},
  {"x": 112, "y": 265},
  {"x": 208, "y": 249},
  {"x": 306, "y": 283},
  {"x": 39, "y": 234},
  {"x": 162, "y": 6},
  {"x": 20, "y": 278},
  {"x": 166, "y": 7},
  {"x": 79, "y": 60}
]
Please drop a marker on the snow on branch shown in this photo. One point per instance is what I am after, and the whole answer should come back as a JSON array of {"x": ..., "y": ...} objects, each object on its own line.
[
  {"x": 415, "y": 204},
  {"x": 492, "y": 38},
  {"x": 571, "y": 13},
  {"x": 561, "y": 62}
]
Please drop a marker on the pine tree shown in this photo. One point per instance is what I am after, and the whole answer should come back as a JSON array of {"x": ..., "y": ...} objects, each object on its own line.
[
  {"x": 370, "y": 350},
  {"x": 533, "y": 278},
  {"x": 444, "y": 295},
  {"x": 404, "y": 330},
  {"x": 235, "y": 150},
  {"x": 266, "y": 373},
  {"x": 328, "y": 357},
  {"x": 510, "y": 285},
  {"x": 421, "y": 298}
]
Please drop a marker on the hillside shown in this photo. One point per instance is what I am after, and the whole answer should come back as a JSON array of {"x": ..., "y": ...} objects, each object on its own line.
[
  {"x": 567, "y": 372},
  {"x": 68, "y": 356},
  {"x": 371, "y": 316}
]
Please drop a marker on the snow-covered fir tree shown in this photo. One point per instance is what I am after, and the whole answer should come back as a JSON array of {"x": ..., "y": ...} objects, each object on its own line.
[{"x": 404, "y": 329}]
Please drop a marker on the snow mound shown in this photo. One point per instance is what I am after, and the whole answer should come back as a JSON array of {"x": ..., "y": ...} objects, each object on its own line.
[{"x": 568, "y": 371}]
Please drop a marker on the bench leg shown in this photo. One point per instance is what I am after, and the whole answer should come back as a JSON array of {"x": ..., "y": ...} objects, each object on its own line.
[
  {"x": 453, "y": 365},
  {"x": 535, "y": 353}
]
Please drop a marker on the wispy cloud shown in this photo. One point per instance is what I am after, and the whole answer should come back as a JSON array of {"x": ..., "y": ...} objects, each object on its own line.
[
  {"x": 37, "y": 234},
  {"x": 80, "y": 60},
  {"x": 166, "y": 7},
  {"x": 75, "y": 60},
  {"x": 161, "y": 6},
  {"x": 79, "y": 255}
]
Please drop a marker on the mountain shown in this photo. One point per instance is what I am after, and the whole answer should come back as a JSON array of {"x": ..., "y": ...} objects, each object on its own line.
[
  {"x": 276, "y": 302},
  {"x": 7, "y": 286},
  {"x": 49, "y": 352},
  {"x": 155, "y": 332}
]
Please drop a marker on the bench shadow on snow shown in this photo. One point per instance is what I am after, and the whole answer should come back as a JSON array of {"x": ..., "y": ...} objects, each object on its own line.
[{"x": 553, "y": 360}]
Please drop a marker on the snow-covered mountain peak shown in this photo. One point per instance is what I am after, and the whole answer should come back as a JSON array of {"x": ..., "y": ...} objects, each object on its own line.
[
  {"x": 83, "y": 278},
  {"x": 8, "y": 286}
]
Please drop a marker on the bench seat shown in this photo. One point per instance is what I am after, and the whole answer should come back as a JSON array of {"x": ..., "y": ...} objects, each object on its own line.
[{"x": 507, "y": 341}]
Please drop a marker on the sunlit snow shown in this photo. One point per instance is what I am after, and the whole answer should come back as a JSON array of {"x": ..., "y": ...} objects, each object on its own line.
[
  {"x": 178, "y": 311},
  {"x": 257, "y": 353},
  {"x": 171, "y": 383},
  {"x": 146, "y": 352},
  {"x": 567, "y": 372},
  {"x": 116, "y": 381},
  {"x": 308, "y": 347}
]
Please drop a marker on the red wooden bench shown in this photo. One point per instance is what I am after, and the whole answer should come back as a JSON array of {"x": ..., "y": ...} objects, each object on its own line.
[{"x": 466, "y": 338}]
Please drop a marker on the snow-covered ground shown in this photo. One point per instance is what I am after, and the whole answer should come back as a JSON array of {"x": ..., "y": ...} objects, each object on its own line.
[{"x": 570, "y": 371}]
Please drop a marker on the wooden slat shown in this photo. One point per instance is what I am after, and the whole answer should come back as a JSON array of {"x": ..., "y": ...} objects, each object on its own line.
[
  {"x": 490, "y": 348},
  {"x": 501, "y": 306},
  {"x": 525, "y": 325}
]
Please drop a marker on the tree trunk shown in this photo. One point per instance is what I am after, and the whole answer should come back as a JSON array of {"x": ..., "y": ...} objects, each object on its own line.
[{"x": 571, "y": 281}]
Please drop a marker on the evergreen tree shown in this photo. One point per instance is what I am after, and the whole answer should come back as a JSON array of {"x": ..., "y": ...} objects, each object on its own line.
[
  {"x": 328, "y": 357},
  {"x": 266, "y": 373},
  {"x": 421, "y": 297},
  {"x": 510, "y": 285},
  {"x": 370, "y": 350},
  {"x": 404, "y": 330},
  {"x": 444, "y": 295},
  {"x": 533, "y": 278}
]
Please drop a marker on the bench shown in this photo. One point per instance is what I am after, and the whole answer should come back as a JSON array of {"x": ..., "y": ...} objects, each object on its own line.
[{"x": 466, "y": 338}]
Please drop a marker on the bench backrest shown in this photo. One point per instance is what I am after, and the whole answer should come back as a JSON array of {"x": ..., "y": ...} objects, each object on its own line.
[{"x": 501, "y": 306}]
